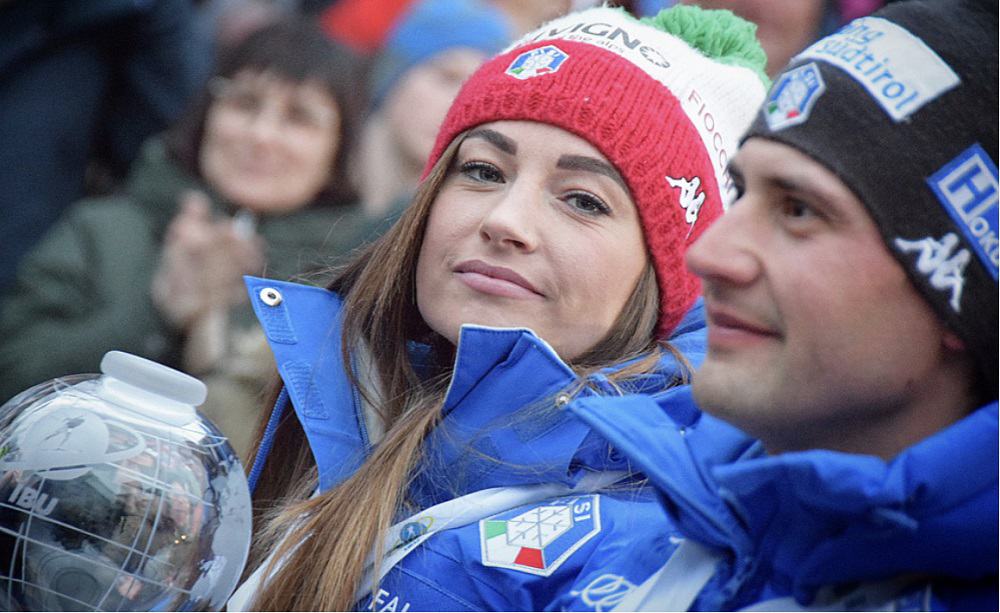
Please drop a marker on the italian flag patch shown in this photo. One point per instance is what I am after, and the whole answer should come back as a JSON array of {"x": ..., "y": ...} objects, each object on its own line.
[{"x": 538, "y": 539}]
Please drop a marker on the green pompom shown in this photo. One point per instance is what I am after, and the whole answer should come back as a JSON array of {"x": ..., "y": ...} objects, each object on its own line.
[{"x": 718, "y": 34}]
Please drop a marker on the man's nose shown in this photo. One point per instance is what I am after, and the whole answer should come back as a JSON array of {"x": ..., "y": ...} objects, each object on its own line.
[{"x": 727, "y": 251}]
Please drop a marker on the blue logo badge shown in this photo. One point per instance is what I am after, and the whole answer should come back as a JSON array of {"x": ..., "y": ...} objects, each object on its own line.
[
  {"x": 412, "y": 531},
  {"x": 537, "y": 62},
  {"x": 968, "y": 188},
  {"x": 793, "y": 96},
  {"x": 539, "y": 539}
]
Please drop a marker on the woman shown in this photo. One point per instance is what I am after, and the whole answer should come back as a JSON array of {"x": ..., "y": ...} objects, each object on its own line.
[
  {"x": 548, "y": 220},
  {"x": 252, "y": 180}
]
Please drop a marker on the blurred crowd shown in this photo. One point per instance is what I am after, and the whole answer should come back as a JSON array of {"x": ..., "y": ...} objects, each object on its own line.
[{"x": 155, "y": 152}]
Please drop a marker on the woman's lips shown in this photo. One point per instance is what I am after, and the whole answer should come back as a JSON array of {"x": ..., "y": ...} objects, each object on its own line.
[{"x": 495, "y": 280}]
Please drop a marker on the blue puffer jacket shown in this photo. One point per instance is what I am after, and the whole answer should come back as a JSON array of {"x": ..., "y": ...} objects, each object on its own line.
[
  {"x": 556, "y": 554},
  {"x": 821, "y": 529}
]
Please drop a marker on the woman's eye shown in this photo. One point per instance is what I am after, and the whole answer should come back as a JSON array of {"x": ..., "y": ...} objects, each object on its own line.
[
  {"x": 302, "y": 116},
  {"x": 297, "y": 114},
  {"x": 587, "y": 203},
  {"x": 450, "y": 77},
  {"x": 482, "y": 172},
  {"x": 245, "y": 102}
]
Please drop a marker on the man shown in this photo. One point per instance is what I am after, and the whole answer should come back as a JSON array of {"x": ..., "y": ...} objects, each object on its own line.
[{"x": 851, "y": 294}]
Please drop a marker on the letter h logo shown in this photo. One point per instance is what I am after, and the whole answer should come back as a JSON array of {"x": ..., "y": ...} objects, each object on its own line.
[{"x": 968, "y": 188}]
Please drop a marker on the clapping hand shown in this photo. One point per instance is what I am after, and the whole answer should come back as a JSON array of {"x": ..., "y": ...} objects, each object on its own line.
[{"x": 202, "y": 263}]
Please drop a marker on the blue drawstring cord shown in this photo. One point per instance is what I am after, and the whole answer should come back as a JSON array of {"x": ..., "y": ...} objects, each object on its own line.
[{"x": 268, "y": 441}]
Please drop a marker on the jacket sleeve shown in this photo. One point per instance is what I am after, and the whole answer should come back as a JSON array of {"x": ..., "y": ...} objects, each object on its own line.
[{"x": 81, "y": 292}]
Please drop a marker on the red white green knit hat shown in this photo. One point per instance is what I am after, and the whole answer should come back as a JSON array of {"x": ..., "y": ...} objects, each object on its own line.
[{"x": 665, "y": 100}]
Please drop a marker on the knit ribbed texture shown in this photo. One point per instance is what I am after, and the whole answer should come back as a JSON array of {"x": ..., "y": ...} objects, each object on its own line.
[
  {"x": 720, "y": 35},
  {"x": 658, "y": 110}
]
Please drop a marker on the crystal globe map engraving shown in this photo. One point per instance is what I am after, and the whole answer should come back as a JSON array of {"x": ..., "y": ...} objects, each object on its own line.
[{"x": 107, "y": 506}]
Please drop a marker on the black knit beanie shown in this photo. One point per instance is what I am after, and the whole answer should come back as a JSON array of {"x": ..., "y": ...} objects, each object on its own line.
[{"x": 902, "y": 106}]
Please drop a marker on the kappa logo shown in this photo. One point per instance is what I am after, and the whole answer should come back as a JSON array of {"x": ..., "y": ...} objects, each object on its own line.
[
  {"x": 945, "y": 269},
  {"x": 540, "y": 539},
  {"x": 691, "y": 197},
  {"x": 537, "y": 62},
  {"x": 793, "y": 96},
  {"x": 968, "y": 187},
  {"x": 605, "y": 592}
]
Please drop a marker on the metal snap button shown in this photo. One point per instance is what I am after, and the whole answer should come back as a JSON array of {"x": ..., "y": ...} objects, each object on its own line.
[
  {"x": 270, "y": 296},
  {"x": 562, "y": 400}
]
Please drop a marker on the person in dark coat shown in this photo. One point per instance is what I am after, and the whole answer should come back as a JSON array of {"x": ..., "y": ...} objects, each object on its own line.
[
  {"x": 82, "y": 82},
  {"x": 251, "y": 181}
]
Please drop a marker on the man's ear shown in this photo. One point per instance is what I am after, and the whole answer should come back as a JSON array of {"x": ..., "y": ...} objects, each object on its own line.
[{"x": 952, "y": 342}]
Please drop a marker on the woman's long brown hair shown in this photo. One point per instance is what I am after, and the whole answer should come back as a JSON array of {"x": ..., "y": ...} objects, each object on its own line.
[{"x": 320, "y": 545}]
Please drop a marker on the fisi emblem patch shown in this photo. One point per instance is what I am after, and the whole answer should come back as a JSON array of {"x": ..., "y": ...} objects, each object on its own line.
[
  {"x": 537, "y": 62},
  {"x": 539, "y": 539},
  {"x": 793, "y": 96}
]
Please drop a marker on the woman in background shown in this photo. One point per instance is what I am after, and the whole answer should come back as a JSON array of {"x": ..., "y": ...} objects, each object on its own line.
[{"x": 252, "y": 180}]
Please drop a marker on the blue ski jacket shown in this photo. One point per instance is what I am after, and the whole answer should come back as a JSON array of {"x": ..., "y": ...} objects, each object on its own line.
[
  {"x": 504, "y": 426},
  {"x": 821, "y": 530}
]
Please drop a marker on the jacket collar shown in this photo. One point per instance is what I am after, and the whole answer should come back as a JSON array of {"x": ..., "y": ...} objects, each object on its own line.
[
  {"x": 302, "y": 325},
  {"x": 483, "y": 440},
  {"x": 505, "y": 419},
  {"x": 804, "y": 520}
]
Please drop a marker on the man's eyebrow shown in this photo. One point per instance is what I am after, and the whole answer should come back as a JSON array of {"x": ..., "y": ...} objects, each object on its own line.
[
  {"x": 589, "y": 164},
  {"x": 495, "y": 138},
  {"x": 791, "y": 184}
]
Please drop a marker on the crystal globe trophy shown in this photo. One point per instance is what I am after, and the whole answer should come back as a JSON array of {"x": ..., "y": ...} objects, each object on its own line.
[{"x": 117, "y": 495}]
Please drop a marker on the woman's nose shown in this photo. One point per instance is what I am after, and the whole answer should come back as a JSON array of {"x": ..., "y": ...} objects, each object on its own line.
[
  {"x": 266, "y": 123},
  {"x": 512, "y": 220}
]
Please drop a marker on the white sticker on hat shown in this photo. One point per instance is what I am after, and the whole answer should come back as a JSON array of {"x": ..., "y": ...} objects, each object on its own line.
[
  {"x": 720, "y": 100},
  {"x": 968, "y": 186},
  {"x": 537, "y": 62},
  {"x": 898, "y": 69},
  {"x": 793, "y": 96}
]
